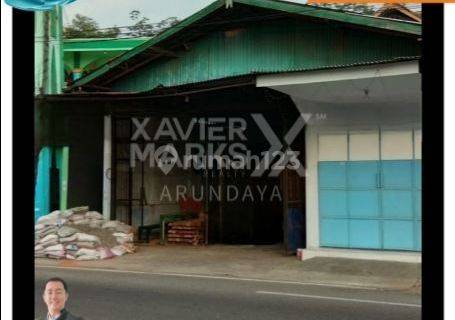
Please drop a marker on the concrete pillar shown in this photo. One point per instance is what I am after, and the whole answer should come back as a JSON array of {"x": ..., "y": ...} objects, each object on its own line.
[
  {"x": 107, "y": 167},
  {"x": 312, "y": 203}
]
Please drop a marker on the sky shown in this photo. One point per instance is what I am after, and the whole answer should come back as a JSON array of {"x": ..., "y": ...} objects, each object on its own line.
[{"x": 116, "y": 12}]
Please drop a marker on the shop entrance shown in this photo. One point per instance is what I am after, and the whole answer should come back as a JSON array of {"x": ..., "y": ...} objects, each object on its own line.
[{"x": 242, "y": 208}]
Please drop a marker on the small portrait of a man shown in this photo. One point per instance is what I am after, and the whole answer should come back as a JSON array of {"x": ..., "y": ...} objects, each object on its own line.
[{"x": 55, "y": 296}]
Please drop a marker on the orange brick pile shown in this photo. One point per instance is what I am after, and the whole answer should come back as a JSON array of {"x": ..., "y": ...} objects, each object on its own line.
[{"x": 187, "y": 231}]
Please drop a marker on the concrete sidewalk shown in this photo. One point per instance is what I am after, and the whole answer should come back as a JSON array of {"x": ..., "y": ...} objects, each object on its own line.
[{"x": 258, "y": 262}]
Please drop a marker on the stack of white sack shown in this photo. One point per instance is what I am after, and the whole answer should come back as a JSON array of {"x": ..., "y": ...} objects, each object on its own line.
[{"x": 57, "y": 236}]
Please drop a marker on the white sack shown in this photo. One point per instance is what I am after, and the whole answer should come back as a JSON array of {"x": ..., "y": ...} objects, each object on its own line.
[
  {"x": 57, "y": 247},
  {"x": 94, "y": 215},
  {"x": 80, "y": 210},
  {"x": 118, "y": 250},
  {"x": 71, "y": 238},
  {"x": 111, "y": 224},
  {"x": 96, "y": 223},
  {"x": 39, "y": 227},
  {"x": 84, "y": 237},
  {"x": 64, "y": 232},
  {"x": 124, "y": 228},
  {"x": 48, "y": 238},
  {"x": 81, "y": 222}
]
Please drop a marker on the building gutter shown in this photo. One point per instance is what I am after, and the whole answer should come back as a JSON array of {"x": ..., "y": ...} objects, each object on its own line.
[{"x": 122, "y": 96}]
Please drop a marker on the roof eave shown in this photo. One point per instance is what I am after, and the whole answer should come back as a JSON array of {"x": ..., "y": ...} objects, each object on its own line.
[{"x": 289, "y": 7}]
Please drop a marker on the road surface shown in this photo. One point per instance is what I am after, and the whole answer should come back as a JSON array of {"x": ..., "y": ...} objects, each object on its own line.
[{"x": 114, "y": 295}]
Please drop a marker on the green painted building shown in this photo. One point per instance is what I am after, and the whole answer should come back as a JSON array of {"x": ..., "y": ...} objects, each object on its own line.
[
  {"x": 53, "y": 73},
  {"x": 82, "y": 56}
]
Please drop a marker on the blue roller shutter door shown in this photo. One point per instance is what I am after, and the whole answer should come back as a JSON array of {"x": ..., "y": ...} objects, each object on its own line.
[
  {"x": 334, "y": 223},
  {"x": 397, "y": 204},
  {"x": 417, "y": 187},
  {"x": 363, "y": 204},
  {"x": 370, "y": 204}
]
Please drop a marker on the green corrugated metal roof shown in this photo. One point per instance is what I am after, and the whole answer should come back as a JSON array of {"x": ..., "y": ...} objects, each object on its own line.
[
  {"x": 104, "y": 44},
  {"x": 267, "y": 47},
  {"x": 336, "y": 15},
  {"x": 402, "y": 27},
  {"x": 318, "y": 68}
]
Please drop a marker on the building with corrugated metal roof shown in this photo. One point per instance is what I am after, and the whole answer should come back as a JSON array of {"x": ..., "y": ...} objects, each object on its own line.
[
  {"x": 336, "y": 93},
  {"x": 84, "y": 55}
]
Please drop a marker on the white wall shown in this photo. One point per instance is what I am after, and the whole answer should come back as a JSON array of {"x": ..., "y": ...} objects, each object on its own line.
[{"x": 312, "y": 205}]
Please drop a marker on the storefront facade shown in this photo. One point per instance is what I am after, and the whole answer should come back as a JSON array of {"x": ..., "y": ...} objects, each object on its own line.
[{"x": 341, "y": 89}]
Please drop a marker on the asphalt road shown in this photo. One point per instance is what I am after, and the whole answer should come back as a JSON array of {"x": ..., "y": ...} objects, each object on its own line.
[{"x": 126, "y": 296}]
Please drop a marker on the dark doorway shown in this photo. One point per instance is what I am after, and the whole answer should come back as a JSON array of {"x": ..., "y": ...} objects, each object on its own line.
[{"x": 260, "y": 217}]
